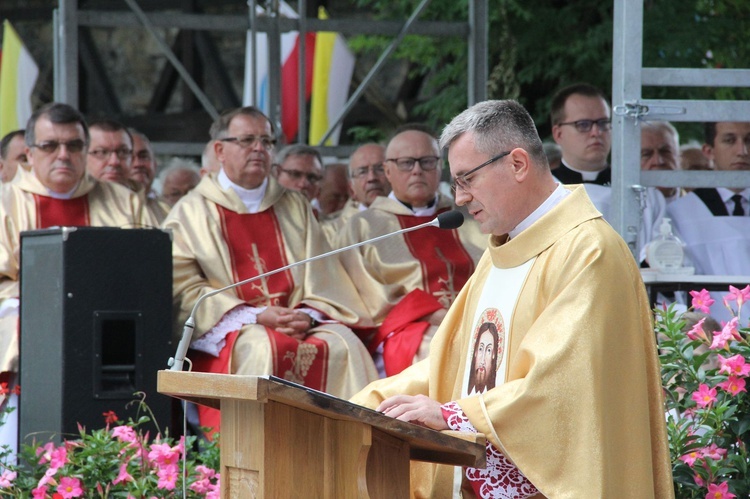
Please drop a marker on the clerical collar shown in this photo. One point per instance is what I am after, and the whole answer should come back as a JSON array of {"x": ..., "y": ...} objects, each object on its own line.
[
  {"x": 63, "y": 195},
  {"x": 553, "y": 200},
  {"x": 425, "y": 211},
  {"x": 363, "y": 206},
  {"x": 585, "y": 175},
  {"x": 251, "y": 198}
]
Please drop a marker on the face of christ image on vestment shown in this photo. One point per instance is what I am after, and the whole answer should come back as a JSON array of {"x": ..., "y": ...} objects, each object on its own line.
[{"x": 484, "y": 361}]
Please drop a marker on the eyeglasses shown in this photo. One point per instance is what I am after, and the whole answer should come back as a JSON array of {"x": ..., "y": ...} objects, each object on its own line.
[
  {"x": 250, "y": 140},
  {"x": 585, "y": 126},
  {"x": 50, "y": 146},
  {"x": 362, "y": 171},
  {"x": 313, "y": 178},
  {"x": 426, "y": 163},
  {"x": 143, "y": 155},
  {"x": 464, "y": 183},
  {"x": 122, "y": 153}
]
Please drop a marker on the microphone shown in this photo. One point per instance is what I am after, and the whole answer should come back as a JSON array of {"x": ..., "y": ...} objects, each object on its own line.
[{"x": 447, "y": 220}]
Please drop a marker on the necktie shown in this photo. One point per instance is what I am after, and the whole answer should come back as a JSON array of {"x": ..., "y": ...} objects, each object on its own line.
[{"x": 738, "y": 211}]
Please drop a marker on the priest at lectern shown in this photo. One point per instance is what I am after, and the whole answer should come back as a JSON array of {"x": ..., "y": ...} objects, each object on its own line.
[{"x": 548, "y": 349}]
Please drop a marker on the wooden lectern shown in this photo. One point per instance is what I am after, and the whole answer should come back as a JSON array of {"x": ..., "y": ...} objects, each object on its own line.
[{"x": 280, "y": 439}]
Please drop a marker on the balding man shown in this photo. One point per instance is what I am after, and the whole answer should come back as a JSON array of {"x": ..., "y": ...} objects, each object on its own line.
[
  {"x": 178, "y": 178},
  {"x": 367, "y": 181},
  {"x": 408, "y": 281}
]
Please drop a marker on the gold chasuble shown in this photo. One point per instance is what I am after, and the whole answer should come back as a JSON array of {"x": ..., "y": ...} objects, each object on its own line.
[
  {"x": 26, "y": 205},
  {"x": 217, "y": 242},
  {"x": 570, "y": 389},
  {"x": 405, "y": 278}
]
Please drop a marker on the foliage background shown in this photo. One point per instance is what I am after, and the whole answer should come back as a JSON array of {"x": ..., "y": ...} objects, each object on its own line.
[{"x": 538, "y": 46}]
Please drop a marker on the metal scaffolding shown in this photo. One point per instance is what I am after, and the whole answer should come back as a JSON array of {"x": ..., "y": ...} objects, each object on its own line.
[
  {"x": 69, "y": 45},
  {"x": 629, "y": 109}
]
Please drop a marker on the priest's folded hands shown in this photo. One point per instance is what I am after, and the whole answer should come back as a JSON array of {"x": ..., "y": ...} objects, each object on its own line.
[{"x": 289, "y": 321}]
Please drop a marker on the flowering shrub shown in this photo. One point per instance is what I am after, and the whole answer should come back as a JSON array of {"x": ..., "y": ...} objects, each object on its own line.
[
  {"x": 118, "y": 461},
  {"x": 704, "y": 371}
]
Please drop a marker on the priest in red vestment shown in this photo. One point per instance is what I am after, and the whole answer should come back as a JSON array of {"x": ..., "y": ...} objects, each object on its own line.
[
  {"x": 409, "y": 281},
  {"x": 240, "y": 223},
  {"x": 55, "y": 191}
]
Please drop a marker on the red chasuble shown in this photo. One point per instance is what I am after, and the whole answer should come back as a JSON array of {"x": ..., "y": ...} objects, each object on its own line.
[
  {"x": 446, "y": 266},
  {"x": 51, "y": 212},
  {"x": 256, "y": 246}
]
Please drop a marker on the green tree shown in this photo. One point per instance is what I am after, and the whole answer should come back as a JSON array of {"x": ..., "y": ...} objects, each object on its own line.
[{"x": 538, "y": 46}]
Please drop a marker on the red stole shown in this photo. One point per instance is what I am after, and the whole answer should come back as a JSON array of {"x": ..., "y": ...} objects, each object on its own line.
[
  {"x": 52, "y": 212},
  {"x": 256, "y": 245},
  {"x": 446, "y": 266}
]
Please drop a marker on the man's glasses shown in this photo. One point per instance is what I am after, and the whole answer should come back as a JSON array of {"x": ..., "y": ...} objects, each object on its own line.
[
  {"x": 313, "y": 178},
  {"x": 143, "y": 155},
  {"x": 250, "y": 140},
  {"x": 362, "y": 171},
  {"x": 585, "y": 126},
  {"x": 426, "y": 163},
  {"x": 50, "y": 146},
  {"x": 121, "y": 153},
  {"x": 463, "y": 181}
]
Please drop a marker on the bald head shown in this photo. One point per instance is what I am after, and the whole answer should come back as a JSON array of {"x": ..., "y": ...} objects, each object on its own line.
[
  {"x": 413, "y": 182},
  {"x": 178, "y": 181},
  {"x": 367, "y": 174}
]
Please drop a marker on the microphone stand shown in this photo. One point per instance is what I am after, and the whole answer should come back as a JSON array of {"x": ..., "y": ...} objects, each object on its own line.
[{"x": 175, "y": 363}]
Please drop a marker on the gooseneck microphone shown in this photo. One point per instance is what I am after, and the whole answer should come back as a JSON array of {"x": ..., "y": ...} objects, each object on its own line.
[{"x": 447, "y": 220}]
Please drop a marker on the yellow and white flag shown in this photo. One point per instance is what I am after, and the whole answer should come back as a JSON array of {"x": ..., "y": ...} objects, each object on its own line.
[
  {"x": 332, "y": 75},
  {"x": 18, "y": 74}
]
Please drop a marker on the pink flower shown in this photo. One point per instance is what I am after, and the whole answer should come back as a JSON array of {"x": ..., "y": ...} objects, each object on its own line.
[
  {"x": 702, "y": 300},
  {"x": 720, "y": 491},
  {"x": 705, "y": 396},
  {"x": 123, "y": 476},
  {"x": 164, "y": 455},
  {"x": 124, "y": 433},
  {"x": 714, "y": 452},
  {"x": 697, "y": 332},
  {"x": 70, "y": 487},
  {"x": 735, "y": 364},
  {"x": 6, "y": 479},
  {"x": 727, "y": 334},
  {"x": 39, "y": 492},
  {"x": 201, "y": 486},
  {"x": 48, "y": 477},
  {"x": 741, "y": 296},
  {"x": 691, "y": 457},
  {"x": 45, "y": 452},
  {"x": 167, "y": 477},
  {"x": 733, "y": 385},
  {"x": 205, "y": 471},
  {"x": 698, "y": 480},
  {"x": 59, "y": 457}
]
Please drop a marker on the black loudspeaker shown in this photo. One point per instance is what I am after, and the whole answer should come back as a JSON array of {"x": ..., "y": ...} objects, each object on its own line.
[{"x": 95, "y": 327}]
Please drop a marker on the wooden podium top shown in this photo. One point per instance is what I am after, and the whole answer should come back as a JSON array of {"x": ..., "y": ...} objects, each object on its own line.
[{"x": 447, "y": 447}]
